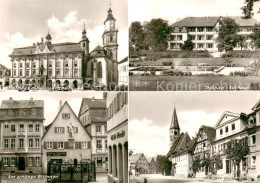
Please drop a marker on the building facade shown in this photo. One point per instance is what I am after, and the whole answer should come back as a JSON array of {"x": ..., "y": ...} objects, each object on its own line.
[
  {"x": 93, "y": 117},
  {"x": 117, "y": 134},
  {"x": 65, "y": 140},
  {"x": 152, "y": 165},
  {"x": 4, "y": 76},
  {"x": 21, "y": 131},
  {"x": 123, "y": 72},
  {"x": 203, "y": 32},
  {"x": 203, "y": 149},
  {"x": 181, "y": 149},
  {"x": 139, "y": 163},
  {"x": 46, "y": 64}
]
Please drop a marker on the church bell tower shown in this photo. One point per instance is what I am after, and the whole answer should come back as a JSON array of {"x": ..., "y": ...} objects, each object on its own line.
[
  {"x": 174, "y": 128},
  {"x": 110, "y": 36},
  {"x": 84, "y": 43}
]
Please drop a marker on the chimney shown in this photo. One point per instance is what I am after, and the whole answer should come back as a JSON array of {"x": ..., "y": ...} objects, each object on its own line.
[
  {"x": 60, "y": 105},
  {"x": 33, "y": 44},
  {"x": 10, "y": 98},
  {"x": 31, "y": 98}
]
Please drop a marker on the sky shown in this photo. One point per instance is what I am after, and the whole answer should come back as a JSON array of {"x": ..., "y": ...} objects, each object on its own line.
[
  {"x": 172, "y": 10},
  {"x": 52, "y": 100},
  {"x": 24, "y": 22},
  {"x": 150, "y": 115}
]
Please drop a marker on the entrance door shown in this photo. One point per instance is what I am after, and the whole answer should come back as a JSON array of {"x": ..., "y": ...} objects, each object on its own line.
[
  {"x": 21, "y": 163},
  {"x": 227, "y": 166}
]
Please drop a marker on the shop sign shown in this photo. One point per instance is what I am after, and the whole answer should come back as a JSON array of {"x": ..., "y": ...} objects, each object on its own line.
[{"x": 117, "y": 135}]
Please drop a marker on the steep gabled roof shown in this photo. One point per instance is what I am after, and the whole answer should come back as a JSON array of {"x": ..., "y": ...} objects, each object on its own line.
[
  {"x": 73, "y": 113},
  {"x": 196, "y": 22},
  {"x": 210, "y": 132},
  {"x": 256, "y": 106},
  {"x": 135, "y": 157},
  {"x": 174, "y": 122},
  {"x": 180, "y": 145}
]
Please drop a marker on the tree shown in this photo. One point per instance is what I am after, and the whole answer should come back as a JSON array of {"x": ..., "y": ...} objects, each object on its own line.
[
  {"x": 164, "y": 165},
  {"x": 255, "y": 36},
  {"x": 255, "y": 66},
  {"x": 237, "y": 150},
  {"x": 157, "y": 32},
  {"x": 188, "y": 45},
  {"x": 227, "y": 38},
  {"x": 136, "y": 35},
  {"x": 241, "y": 41},
  {"x": 248, "y": 8},
  {"x": 216, "y": 164}
]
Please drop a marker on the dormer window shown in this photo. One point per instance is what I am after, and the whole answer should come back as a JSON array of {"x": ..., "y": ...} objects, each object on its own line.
[{"x": 34, "y": 112}]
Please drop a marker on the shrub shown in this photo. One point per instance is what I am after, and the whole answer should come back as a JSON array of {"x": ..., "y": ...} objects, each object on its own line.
[{"x": 167, "y": 63}]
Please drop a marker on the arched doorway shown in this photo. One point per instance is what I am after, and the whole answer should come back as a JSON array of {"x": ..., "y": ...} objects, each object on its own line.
[
  {"x": 57, "y": 82},
  {"x": 66, "y": 83},
  {"x": 20, "y": 82},
  {"x": 27, "y": 81},
  {"x": 41, "y": 82},
  {"x": 50, "y": 83},
  {"x": 75, "y": 84},
  {"x": 33, "y": 82}
]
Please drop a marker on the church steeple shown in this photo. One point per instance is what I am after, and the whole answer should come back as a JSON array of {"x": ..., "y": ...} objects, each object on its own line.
[
  {"x": 84, "y": 43},
  {"x": 110, "y": 35},
  {"x": 48, "y": 38},
  {"x": 174, "y": 128}
]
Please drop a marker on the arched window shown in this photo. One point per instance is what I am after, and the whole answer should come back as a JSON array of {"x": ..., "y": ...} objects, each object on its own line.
[
  {"x": 99, "y": 70},
  {"x": 92, "y": 68}
]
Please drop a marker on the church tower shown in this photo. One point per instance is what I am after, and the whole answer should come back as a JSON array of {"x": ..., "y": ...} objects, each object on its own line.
[
  {"x": 110, "y": 36},
  {"x": 174, "y": 128},
  {"x": 84, "y": 43}
]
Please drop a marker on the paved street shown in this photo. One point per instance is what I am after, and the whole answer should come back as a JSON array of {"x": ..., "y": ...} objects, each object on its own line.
[
  {"x": 101, "y": 178},
  {"x": 157, "y": 178}
]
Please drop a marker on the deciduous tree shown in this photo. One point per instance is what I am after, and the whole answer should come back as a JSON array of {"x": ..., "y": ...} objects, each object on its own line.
[
  {"x": 136, "y": 35},
  {"x": 227, "y": 37},
  {"x": 157, "y": 32},
  {"x": 188, "y": 45}
]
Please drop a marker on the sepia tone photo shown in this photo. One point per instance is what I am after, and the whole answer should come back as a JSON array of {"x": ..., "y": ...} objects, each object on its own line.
[
  {"x": 194, "y": 45},
  {"x": 63, "y": 45},
  {"x": 48, "y": 137},
  {"x": 194, "y": 137}
]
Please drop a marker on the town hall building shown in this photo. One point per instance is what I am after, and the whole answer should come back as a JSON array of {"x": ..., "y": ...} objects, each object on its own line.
[{"x": 47, "y": 65}]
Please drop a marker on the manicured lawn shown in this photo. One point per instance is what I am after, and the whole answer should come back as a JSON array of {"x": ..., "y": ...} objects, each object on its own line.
[
  {"x": 195, "y": 83},
  {"x": 239, "y": 62}
]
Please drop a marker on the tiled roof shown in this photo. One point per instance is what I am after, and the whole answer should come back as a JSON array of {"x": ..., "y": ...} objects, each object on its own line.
[
  {"x": 210, "y": 132},
  {"x": 98, "y": 115},
  {"x": 182, "y": 144},
  {"x": 20, "y": 104},
  {"x": 179, "y": 29},
  {"x": 98, "y": 52},
  {"x": 93, "y": 103},
  {"x": 135, "y": 157},
  {"x": 196, "y": 22},
  {"x": 210, "y": 22},
  {"x": 245, "y": 22},
  {"x": 124, "y": 60},
  {"x": 54, "y": 48}
]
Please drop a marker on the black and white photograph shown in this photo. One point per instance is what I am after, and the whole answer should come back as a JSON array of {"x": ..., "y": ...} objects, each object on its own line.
[
  {"x": 63, "y": 45},
  {"x": 48, "y": 137},
  {"x": 194, "y": 137},
  {"x": 194, "y": 45}
]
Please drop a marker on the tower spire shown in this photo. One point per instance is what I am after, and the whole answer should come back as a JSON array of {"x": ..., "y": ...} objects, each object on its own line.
[{"x": 174, "y": 128}]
